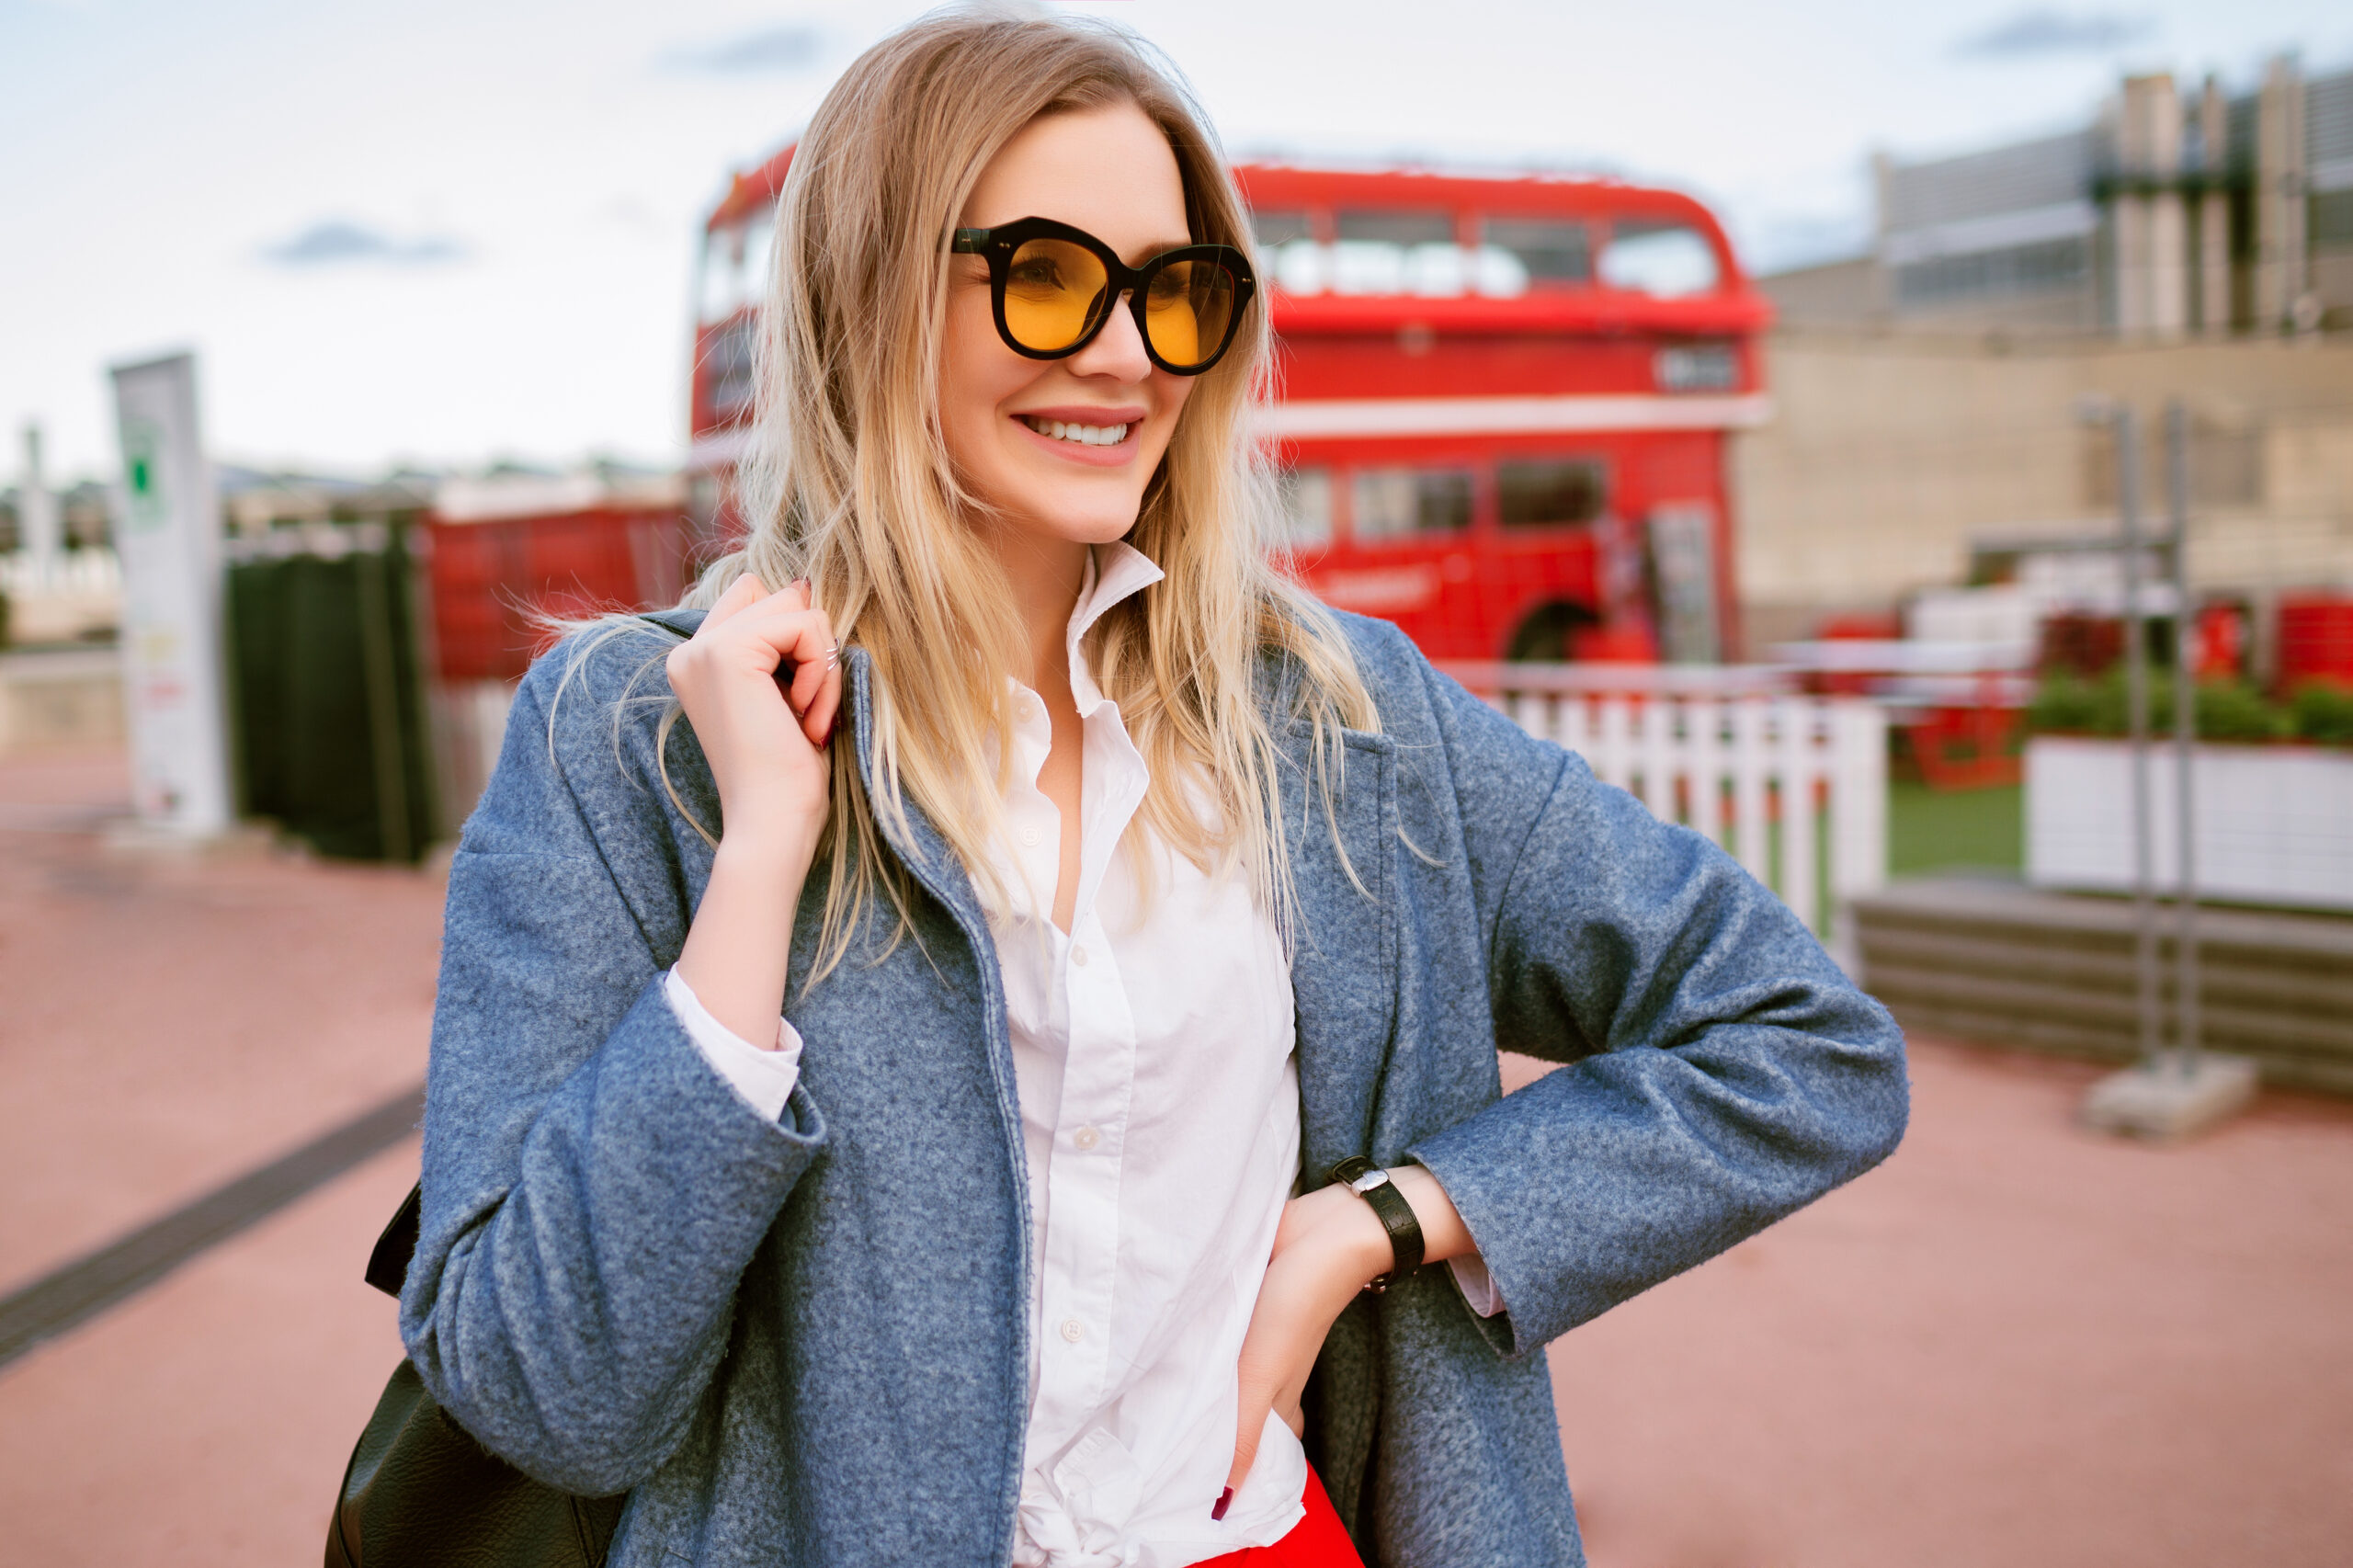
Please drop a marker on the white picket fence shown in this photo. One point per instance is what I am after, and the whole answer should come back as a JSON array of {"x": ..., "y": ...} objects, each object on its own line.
[
  {"x": 70, "y": 572},
  {"x": 1726, "y": 751}
]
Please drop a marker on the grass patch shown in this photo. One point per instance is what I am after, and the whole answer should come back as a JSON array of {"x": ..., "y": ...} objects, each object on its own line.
[{"x": 1982, "y": 830}]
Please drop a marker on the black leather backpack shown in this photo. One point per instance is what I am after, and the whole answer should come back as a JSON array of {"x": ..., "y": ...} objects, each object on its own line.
[{"x": 420, "y": 1492}]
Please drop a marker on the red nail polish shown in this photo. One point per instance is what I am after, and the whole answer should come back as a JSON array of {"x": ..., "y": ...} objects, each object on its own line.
[{"x": 1217, "y": 1511}]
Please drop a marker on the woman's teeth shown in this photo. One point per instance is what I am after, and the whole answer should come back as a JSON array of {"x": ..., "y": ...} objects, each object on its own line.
[{"x": 1085, "y": 435}]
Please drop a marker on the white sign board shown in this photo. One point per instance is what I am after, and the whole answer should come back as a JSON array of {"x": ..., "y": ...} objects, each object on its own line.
[{"x": 168, "y": 541}]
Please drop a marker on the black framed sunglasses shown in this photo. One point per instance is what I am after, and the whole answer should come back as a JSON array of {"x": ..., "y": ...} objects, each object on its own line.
[{"x": 1052, "y": 288}]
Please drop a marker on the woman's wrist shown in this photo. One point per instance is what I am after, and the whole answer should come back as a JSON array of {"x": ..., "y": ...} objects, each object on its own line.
[
  {"x": 781, "y": 849},
  {"x": 1443, "y": 1234},
  {"x": 1361, "y": 1243},
  {"x": 1354, "y": 1238}
]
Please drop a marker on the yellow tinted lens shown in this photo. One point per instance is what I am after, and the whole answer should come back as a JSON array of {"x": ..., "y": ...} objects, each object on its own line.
[
  {"x": 1053, "y": 291},
  {"x": 1186, "y": 311}
]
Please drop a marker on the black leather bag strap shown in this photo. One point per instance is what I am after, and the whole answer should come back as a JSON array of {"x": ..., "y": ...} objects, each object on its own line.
[
  {"x": 388, "y": 1264},
  {"x": 678, "y": 622}
]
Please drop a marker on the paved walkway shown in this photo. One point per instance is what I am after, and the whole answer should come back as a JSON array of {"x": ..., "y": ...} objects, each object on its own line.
[{"x": 2015, "y": 1344}]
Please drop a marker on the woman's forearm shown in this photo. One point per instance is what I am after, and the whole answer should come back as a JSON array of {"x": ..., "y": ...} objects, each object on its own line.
[
  {"x": 739, "y": 950},
  {"x": 765, "y": 744}
]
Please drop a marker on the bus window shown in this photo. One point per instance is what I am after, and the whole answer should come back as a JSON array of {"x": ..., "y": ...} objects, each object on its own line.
[
  {"x": 759, "y": 248},
  {"x": 1546, "y": 490},
  {"x": 1666, "y": 260},
  {"x": 727, "y": 360},
  {"x": 1495, "y": 271},
  {"x": 1273, "y": 229},
  {"x": 1397, "y": 253},
  {"x": 1547, "y": 250},
  {"x": 1286, "y": 244},
  {"x": 1404, "y": 502},
  {"x": 723, "y": 273},
  {"x": 1306, "y": 522},
  {"x": 735, "y": 266}
]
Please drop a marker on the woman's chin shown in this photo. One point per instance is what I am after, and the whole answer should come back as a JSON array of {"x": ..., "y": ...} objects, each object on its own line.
[{"x": 1053, "y": 520}]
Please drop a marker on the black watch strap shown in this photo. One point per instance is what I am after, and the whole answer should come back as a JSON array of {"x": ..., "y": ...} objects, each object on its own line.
[{"x": 1396, "y": 1216}]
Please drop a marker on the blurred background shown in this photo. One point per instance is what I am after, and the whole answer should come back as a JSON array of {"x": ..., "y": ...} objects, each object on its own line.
[{"x": 1911, "y": 446}]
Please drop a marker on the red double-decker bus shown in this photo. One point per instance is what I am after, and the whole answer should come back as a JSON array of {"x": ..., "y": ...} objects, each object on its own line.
[{"x": 1503, "y": 410}]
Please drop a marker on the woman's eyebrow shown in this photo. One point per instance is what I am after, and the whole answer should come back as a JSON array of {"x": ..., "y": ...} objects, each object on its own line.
[{"x": 1151, "y": 248}]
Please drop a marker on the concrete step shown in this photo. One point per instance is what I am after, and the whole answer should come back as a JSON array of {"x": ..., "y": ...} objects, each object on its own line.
[{"x": 2004, "y": 964}]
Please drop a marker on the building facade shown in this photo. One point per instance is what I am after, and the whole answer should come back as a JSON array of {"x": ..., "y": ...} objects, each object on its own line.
[{"x": 2178, "y": 212}]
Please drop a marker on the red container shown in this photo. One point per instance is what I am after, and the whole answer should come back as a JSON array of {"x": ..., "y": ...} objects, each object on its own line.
[
  {"x": 2315, "y": 639},
  {"x": 494, "y": 580}
]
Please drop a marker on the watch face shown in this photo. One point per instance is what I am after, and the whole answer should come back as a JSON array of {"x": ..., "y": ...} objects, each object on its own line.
[{"x": 1368, "y": 1181}]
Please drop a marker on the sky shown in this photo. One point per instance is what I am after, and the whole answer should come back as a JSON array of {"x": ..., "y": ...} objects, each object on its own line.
[{"x": 446, "y": 232}]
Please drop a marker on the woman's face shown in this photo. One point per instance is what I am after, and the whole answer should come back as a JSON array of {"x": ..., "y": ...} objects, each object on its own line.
[{"x": 1109, "y": 171}]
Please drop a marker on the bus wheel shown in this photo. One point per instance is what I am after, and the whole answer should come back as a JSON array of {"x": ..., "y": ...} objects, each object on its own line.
[{"x": 1549, "y": 635}]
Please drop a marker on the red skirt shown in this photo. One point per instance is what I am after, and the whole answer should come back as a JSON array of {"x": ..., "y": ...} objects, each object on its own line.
[{"x": 1319, "y": 1540}]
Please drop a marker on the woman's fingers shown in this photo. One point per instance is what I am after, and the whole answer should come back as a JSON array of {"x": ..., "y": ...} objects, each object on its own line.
[
  {"x": 1260, "y": 1388},
  {"x": 745, "y": 591},
  {"x": 804, "y": 639},
  {"x": 776, "y": 634},
  {"x": 817, "y": 682},
  {"x": 817, "y": 719},
  {"x": 1319, "y": 1263},
  {"x": 1279, "y": 1348}
]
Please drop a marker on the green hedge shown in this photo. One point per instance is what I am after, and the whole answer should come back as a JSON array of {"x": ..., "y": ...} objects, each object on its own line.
[{"x": 2223, "y": 710}]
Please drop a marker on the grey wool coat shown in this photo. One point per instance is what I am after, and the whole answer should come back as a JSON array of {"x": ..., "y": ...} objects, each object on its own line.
[{"x": 802, "y": 1342}]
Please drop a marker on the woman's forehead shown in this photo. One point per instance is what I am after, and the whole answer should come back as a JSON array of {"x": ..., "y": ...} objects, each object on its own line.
[{"x": 1109, "y": 171}]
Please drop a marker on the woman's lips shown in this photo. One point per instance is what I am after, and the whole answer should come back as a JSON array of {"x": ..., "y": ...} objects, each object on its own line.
[{"x": 1117, "y": 454}]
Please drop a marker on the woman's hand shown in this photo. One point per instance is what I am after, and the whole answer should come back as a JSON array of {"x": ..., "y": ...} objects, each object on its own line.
[
  {"x": 767, "y": 751},
  {"x": 1328, "y": 1247},
  {"x": 765, "y": 746}
]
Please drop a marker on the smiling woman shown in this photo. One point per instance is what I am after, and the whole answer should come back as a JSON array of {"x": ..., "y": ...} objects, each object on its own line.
[{"x": 965, "y": 1045}]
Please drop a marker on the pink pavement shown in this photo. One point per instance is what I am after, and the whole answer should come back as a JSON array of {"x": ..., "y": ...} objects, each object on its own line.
[{"x": 2015, "y": 1344}]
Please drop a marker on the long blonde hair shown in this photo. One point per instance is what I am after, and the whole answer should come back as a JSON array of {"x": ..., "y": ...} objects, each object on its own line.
[{"x": 849, "y": 483}]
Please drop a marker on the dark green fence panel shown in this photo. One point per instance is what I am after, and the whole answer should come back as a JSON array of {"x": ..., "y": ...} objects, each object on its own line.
[{"x": 329, "y": 696}]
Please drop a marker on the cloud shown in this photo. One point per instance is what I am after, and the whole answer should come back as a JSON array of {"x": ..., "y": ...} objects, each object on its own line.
[
  {"x": 2038, "y": 31},
  {"x": 338, "y": 242},
  {"x": 779, "y": 50}
]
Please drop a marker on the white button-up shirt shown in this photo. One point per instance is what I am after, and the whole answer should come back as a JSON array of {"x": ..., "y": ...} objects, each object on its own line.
[{"x": 1160, "y": 1121}]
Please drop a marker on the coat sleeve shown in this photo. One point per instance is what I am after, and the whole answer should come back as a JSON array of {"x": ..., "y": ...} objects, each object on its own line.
[
  {"x": 593, "y": 1187},
  {"x": 1720, "y": 1070}
]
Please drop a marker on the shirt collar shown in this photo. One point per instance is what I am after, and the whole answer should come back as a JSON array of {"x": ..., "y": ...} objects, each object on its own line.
[{"x": 1116, "y": 571}]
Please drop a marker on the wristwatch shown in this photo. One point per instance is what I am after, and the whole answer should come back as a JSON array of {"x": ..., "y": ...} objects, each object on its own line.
[{"x": 1371, "y": 1183}]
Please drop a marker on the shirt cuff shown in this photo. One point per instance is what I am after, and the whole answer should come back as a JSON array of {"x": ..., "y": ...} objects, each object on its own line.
[
  {"x": 763, "y": 1079},
  {"x": 1478, "y": 1287}
]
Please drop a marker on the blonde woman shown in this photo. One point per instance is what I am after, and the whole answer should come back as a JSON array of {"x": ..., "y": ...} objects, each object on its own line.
[{"x": 896, "y": 1046}]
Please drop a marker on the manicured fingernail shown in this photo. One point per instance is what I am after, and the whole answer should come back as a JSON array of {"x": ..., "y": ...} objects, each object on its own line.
[{"x": 1218, "y": 1510}]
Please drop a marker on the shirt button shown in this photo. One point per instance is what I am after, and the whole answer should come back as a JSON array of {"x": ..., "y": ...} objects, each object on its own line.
[
  {"x": 1086, "y": 1138},
  {"x": 1027, "y": 712},
  {"x": 1078, "y": 957},
  {"x": 1073, "y": 1330},
  {"x": 1029, "y": 838}
]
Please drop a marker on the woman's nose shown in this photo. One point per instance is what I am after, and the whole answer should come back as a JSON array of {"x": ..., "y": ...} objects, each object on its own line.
[{"x": 1117, "y": 350}]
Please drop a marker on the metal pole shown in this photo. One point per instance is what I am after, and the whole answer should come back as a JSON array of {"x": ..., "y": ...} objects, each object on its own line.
[
  {"x": 2184, "y": 734},
  {"x": 2136, "y": 707}
]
